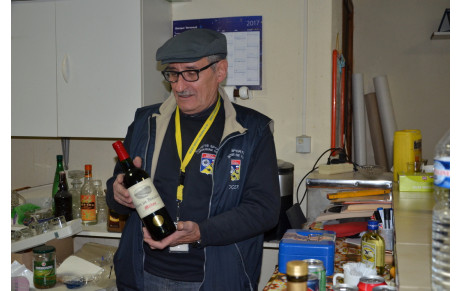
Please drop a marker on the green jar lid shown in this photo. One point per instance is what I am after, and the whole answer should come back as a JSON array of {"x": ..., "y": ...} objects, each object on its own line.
[{"x": 44, "y": 249}]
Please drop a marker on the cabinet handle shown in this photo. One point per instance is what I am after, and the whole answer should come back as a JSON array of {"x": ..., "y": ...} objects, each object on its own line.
[{"x": 65, "y": 68}]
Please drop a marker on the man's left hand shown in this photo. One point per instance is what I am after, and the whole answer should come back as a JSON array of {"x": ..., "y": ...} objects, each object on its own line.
[{"x": 187, "y": 232}]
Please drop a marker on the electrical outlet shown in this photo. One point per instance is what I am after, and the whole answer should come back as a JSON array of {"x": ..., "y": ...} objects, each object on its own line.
[{"x": 303, "y": 144}]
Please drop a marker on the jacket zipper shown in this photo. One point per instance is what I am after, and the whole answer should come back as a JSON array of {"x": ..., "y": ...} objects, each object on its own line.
[{"x": 209, "y": 209}]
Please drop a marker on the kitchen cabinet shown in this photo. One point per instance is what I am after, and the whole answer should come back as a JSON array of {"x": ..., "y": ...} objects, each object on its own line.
[{"x": 80, "y": 68}]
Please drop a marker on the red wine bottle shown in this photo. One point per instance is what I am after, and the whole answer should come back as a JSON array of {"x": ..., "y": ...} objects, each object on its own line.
[{"x": 146, "y": 199}]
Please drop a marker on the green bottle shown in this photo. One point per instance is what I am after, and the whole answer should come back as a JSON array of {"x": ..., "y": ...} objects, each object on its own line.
[
  {"x": 373, "y": 248},
  {"x": 59, "y": 168}
]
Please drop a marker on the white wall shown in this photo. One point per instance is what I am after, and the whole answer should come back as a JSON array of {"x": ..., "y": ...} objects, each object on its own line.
[
  {"x": 392, "y": 38},
  {"x": 33, "y": 160}
]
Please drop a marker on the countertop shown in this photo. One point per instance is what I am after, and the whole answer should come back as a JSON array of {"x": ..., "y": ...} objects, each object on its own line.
[{"x": 413, "y": 217}]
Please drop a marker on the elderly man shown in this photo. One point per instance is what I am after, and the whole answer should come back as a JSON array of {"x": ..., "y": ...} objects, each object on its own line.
[{"x": 214, "y": 165}]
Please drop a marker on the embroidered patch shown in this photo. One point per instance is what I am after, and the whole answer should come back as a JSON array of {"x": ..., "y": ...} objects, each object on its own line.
[
  {"x": 207, "y": 163},
  {"x": 235, "y": 170}
]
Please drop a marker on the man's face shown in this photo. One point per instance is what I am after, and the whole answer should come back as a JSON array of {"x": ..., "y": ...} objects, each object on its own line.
[{"x": 194, "y": 97}]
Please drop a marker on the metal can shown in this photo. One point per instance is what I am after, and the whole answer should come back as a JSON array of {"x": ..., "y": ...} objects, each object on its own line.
[
  {"x": 385, "y": 288},
  {"x": 317, "y": 267},
  {"x": 44, "y": 264},
  {"x": 312, "y": 283},
  {"x": 367, "y": 283},
  {"x": 344, "y": 287}
]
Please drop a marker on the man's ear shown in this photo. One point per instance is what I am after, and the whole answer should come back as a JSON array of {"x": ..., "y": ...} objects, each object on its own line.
[{"x": 222, "y": 67}]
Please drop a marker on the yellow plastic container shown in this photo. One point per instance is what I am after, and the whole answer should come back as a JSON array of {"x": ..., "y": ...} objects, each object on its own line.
[{"x": 407, "y": 148}]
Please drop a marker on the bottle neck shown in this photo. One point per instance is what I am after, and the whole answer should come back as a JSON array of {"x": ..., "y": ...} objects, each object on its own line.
[
  {"x": 63, "y": 182},
  {"x": 127, "y": 164}
]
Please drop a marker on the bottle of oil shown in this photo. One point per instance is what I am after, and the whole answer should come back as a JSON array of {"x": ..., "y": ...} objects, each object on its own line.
[{"x": 373, "y": 248}]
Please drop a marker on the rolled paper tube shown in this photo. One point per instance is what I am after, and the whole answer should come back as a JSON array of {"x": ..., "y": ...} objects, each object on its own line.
[
  {"x": 388, "y": 121},
  {"x": 375, "y": 129},
  {"x": 359, "y": 119}
]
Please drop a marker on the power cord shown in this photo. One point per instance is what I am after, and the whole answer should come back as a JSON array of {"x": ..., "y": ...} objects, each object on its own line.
[{"x": 343, "y": 158}]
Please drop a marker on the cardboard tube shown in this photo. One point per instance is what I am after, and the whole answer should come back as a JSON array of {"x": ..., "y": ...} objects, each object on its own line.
[
  {"x": 387, "y": 115},
  {"x": 375, "y": 129},
  {"x": 359, "y": 119}
]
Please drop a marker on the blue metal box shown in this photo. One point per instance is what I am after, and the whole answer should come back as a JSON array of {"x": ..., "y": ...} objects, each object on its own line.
[{"x": 302, "y": 244}]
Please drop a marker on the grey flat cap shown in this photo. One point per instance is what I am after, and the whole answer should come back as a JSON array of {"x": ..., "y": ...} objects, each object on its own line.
[{"x": 192, "y": 45}]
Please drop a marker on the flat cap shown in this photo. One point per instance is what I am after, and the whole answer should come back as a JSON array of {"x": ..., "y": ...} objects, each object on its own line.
[{"x": 192, "y": 45}]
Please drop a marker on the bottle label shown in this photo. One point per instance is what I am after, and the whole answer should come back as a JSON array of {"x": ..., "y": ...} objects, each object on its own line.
[
  {"x": 88, "y": 207},
  {"x": 368, "y": 253},
  {"x": 442, "y": 172},
  {"x": 145, "y": 197}
]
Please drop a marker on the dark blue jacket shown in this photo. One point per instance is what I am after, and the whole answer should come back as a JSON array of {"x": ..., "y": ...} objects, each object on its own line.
[{"x": 240, "y": 211}]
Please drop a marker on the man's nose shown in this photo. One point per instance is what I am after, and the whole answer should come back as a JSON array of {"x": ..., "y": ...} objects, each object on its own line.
[{"x": 181, "y": 84}]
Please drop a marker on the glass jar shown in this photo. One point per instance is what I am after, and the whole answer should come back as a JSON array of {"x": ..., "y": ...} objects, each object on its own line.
[{"x": 44, "y": 264}]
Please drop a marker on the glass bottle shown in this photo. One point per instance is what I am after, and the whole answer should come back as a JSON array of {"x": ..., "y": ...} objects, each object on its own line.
[
  {"x": 88, "y": 198},
  {"x": 440, "y": 252},
  {"x": 63, "y": 199},
  {"x": 373, "y": 248},
  {"x": 100, "y": 202},
  {"x": 76, "y": 176},
  {"x": 59, "y": 168},
  {"x": 146, "y": 198}
]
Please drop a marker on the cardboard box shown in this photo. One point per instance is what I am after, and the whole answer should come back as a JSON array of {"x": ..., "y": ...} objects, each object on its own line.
[
  {"x": 64, "y": 248},
  {"x": 420, "y": 182}
]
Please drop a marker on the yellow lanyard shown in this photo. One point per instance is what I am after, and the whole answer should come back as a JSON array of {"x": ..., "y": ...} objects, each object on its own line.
[{"x": 193, "y": 146}]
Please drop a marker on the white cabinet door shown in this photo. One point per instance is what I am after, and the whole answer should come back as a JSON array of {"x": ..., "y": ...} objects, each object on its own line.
[
  {"x": 80, "y": 68},
  {"x": 33, "y": 69},
  {"x": 98, "y": 66}
]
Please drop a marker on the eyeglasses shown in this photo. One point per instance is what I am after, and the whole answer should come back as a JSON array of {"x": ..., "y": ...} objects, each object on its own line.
[{"x": 188, "y": 75}]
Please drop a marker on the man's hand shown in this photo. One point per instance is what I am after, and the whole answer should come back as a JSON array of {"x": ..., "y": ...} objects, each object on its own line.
[
  {"x": 120, "y": 193},
  {"x": 187, "y": 232}
]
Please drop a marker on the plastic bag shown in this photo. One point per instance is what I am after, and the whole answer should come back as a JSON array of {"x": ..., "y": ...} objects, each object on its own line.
[{"x": 18, "y": 212}]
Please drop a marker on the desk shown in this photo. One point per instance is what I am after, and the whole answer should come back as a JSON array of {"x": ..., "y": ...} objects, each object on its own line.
[
  {"x": 413, "y": 217},
  {"x": 344, "y": 252}
]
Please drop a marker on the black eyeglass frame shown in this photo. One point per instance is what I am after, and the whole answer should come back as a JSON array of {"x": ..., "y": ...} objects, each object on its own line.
[{"x": 197, "y": 71}]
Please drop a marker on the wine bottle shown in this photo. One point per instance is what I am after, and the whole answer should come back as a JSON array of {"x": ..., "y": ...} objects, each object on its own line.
[
  {"x": 63, "y": 199},
  {"x": 59, "y": 168},
  {"x": 146, "y": 198}
]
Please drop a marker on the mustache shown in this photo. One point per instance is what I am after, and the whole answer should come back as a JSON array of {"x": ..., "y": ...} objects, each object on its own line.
[{"x": 185, "y": 93}]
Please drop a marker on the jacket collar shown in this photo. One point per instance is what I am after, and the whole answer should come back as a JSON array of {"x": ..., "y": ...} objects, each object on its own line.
[
  {"x": 167, "y": 109},
  {"x": 231, "y": 124}
]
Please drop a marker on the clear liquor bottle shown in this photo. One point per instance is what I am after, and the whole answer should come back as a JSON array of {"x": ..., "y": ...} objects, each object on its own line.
[
  {"x": 88, "y": 198},
  {"x": 76, "y": 176},
  {"x": 101, "y": 205},
  {"x": 440, "y": 252},
  {"x": 373, "y": 248}
]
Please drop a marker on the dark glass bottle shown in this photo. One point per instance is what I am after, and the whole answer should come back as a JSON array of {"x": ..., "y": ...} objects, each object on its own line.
[
  {"x": 145, "y": 197},
  {"x": 63, "y": 199}
]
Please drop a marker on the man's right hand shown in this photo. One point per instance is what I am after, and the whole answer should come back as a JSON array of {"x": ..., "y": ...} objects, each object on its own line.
[{"x": 120, "y": 193}]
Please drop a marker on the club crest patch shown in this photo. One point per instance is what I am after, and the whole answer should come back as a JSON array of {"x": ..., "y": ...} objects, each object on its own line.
[
  {"x": 207, "y": 163},
  {"x": 235, "y": 170}
]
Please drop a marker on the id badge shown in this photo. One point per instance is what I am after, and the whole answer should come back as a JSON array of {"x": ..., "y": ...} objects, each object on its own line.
[{"x": 183, "y": 248}]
